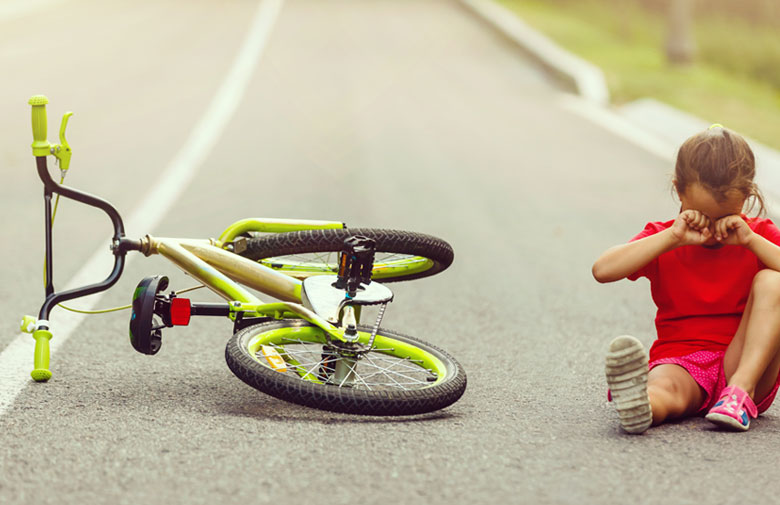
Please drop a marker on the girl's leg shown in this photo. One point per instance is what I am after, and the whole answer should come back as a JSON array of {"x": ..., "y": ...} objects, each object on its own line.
[
  {"x": 673, "y": 393},
  {"x": 752, "y": 360}
]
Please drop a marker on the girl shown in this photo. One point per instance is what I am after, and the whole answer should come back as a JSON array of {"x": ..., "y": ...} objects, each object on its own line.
[{"x": 715, "y": 276}]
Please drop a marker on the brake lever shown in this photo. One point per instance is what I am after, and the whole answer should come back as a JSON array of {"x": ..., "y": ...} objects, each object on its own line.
[{"x": 62, "y": 151}]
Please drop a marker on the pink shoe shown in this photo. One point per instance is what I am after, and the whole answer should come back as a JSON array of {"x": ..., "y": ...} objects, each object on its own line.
[{"x": 733, "y": 410}]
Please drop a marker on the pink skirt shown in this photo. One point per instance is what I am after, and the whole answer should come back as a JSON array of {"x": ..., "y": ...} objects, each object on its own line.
[{"x": 706, "y": 368}]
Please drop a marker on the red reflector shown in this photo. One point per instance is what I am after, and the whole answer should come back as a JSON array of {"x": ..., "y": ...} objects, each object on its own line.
[{"x": 180, "y": 311}]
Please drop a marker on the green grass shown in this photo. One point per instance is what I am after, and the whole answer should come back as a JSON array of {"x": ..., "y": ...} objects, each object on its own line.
[{"x": 627, "y": 44}]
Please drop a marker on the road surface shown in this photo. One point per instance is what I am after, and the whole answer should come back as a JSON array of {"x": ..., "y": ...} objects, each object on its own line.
[{"x": 402, "y": 114}]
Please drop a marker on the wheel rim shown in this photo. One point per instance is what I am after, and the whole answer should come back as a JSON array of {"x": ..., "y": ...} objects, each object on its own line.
[
  {"x": 391, "y": 365},
  {"x": 386, "y": 265}
]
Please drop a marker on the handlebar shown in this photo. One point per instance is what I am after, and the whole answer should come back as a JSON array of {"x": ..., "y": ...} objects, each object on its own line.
[
  {"x": 120, "y": 245},
  {"x": 40, "y": 145}
]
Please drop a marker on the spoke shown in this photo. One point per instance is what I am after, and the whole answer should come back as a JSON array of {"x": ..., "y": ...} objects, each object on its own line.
[
  {"x": 328, "y": 260},
  {"x": 396, "y": 369},
  {"x": 392, "y": 379},
  {"x": 310, "y": 363},
  {"x": 387, "y": 371},
  {"x": 398, "y": 362},
  {"x": 390, "y": 256},
  {"x": 318, "y": 365},
  {"x": 402, "y": 376},
  {"x": 295, "y": 356},
  {"x": 400, "y": 258},
  {"x": 346, "y": 376},
  {"x": 373, "y": 370},
  {"x": 310, "y": 366},
  {"x": 397, "y": 385},
  {"x": 415, "y": 381},
  {"x": 305, "y": 258},
  {"x": 293, "y": 341},
  {"x": 357, "y": 375}
]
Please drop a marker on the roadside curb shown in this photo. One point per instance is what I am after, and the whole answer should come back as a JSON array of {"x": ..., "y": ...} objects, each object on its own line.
[
  {"x": 587, "y": 78},
  {"x": 653, "y": 125}
]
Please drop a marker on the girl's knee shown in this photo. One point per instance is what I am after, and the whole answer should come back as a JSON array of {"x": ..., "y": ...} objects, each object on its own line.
[
  {"x": 665, "y": 393},
  {"x": 665, "y": 385},
  {"x": 673, "y": 392},
  {"x": 766, "y": 284}
]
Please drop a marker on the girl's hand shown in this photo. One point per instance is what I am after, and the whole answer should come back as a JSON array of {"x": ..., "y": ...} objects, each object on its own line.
[
  {"x": 691, "y": 228},
  {"x": 733, "y": 230}
]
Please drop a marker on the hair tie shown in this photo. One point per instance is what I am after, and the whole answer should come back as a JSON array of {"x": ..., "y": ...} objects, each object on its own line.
[{"x": 716, "y": 125}]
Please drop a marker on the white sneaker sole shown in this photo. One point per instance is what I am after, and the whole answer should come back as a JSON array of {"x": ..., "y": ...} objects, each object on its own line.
[{"x": 626, "y": 370}]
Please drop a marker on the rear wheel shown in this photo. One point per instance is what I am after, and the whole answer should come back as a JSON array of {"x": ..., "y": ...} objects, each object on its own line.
[
  {"x": 292, "y": 360},
  {"x": 399, "y": 256}
]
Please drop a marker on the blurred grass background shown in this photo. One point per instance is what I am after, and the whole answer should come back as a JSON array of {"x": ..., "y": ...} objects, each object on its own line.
[{"x": 734, "y": 78}]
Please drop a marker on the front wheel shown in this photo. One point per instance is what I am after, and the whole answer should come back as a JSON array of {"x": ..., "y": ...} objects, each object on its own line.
[
  {"x": 293, "y": 361},
  {"x": 399, "y": 256}
]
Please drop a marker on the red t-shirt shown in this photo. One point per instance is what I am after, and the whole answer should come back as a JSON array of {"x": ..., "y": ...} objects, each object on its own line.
[{"x": 700, "y": 293}]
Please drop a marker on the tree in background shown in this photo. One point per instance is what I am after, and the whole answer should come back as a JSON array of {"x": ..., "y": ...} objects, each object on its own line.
[{"x": 680, "y": 45}]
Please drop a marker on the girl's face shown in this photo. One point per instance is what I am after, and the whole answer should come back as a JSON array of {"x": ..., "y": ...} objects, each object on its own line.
[{"x": 696, "y": 197}]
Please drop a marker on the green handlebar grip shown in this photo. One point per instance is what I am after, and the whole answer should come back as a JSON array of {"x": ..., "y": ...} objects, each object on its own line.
[
  {"x": 40, "y": 145},
  {"x": 41, "y": 372}
]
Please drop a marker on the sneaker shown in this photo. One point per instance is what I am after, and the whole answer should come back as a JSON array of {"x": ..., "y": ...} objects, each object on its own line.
[
  {"x": 733, "y": 410},
  {"x": 626, "y": 371}
]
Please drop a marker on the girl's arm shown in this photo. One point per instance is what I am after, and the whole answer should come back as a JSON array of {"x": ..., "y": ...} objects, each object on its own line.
[
  {"x": 733, "y": 230},
  {"x": 622, "y": 260},
  {"x": 767, "y": 252},
  {"x": 690, "y": 227}
]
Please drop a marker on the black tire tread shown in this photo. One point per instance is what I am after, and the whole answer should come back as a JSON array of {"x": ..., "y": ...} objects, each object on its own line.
[{"x": 390, "y": 241}]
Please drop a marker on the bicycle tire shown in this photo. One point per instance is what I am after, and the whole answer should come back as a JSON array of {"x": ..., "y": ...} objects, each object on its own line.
[
  {"x": 242, "y": 357},
  {"x": 411, "y": 255}
]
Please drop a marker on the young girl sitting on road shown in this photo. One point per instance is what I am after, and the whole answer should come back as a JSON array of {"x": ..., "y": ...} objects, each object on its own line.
[{"x": 715, "y": 276}]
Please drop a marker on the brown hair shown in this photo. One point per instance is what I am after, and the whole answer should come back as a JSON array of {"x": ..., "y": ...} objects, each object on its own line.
[{"x": 722, "y": 162}]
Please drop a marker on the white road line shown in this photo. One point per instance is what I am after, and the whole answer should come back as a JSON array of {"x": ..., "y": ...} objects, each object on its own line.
[
  {"x": 16, "y": 359},
  {"x": 620, "y": 126},
  {"x": 664, "y": 148}
]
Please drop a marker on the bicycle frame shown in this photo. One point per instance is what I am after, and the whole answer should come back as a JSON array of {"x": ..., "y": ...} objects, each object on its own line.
[{"x": 224, "y": 273}]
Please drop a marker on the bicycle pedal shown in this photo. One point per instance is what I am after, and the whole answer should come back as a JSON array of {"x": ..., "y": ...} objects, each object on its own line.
[{"x": 145, "y": 337}]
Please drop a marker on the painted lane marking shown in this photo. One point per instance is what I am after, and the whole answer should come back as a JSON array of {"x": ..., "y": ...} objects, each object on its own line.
[
  {"x": 16, "y": 359},
  {"x": 619, "y": 125}
]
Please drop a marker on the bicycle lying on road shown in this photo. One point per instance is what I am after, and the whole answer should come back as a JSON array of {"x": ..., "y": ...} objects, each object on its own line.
[{"x": 309, "y": 347}]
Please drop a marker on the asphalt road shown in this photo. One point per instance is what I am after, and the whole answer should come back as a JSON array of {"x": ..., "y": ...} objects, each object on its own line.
[{"x": 404, "y": 114}]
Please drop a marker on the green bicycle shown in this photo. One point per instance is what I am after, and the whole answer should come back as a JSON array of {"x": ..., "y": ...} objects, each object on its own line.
[{"x": 309, "y": 347}]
